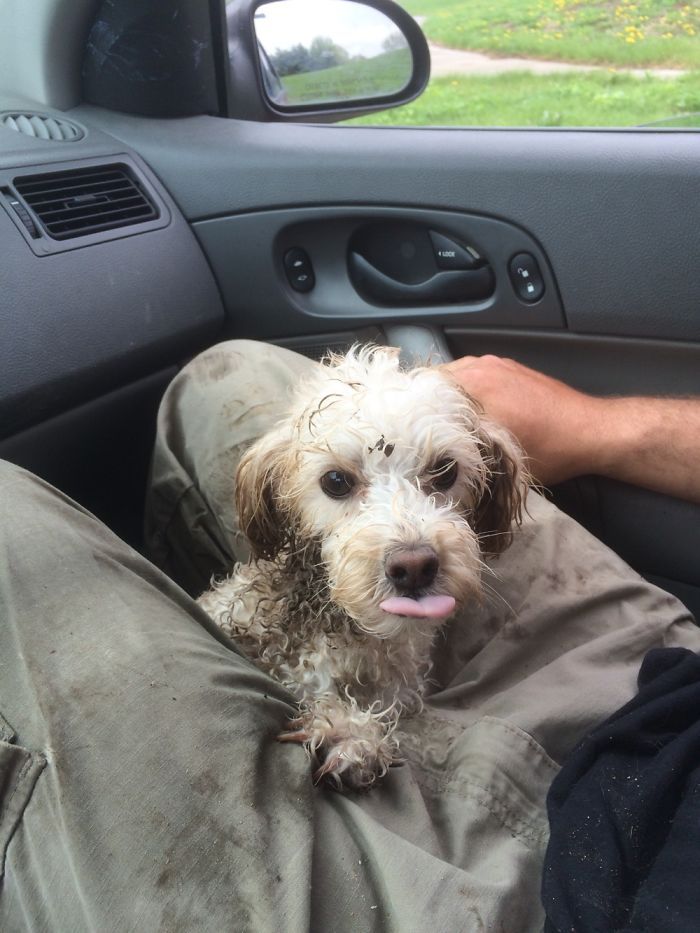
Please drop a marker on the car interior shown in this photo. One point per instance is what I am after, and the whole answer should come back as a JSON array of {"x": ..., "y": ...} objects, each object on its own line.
[{"x": 156, "y": 199}]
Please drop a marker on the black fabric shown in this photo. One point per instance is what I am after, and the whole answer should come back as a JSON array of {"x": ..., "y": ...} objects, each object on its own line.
[{"x": 624, "y": 811}]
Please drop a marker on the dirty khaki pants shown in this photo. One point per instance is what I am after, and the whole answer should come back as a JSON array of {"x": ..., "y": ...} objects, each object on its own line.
[{"x": 141, "y": 786}]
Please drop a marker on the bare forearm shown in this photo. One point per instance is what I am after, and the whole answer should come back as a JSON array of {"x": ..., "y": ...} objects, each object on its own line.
[{"x": 650, "y": 442}]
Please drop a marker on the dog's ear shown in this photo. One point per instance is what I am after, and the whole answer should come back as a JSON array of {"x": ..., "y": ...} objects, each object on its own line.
[
  {"x": 257, "y": 491},
  {"x": 504, "y": 491}
]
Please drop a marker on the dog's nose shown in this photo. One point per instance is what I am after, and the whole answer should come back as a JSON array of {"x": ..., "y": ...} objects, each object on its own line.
[{"x": 412, "y": 569}]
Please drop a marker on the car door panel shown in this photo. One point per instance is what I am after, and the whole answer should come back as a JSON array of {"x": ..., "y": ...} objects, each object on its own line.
[
  {"x": 612, "y": 218},
  {"x": 261, "y": 240},
  {"x": 616, "y": 213},
  {"x": 615, "y": 216}
]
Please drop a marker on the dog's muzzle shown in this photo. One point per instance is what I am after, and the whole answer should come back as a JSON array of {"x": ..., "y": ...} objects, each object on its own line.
[{"x": 411, "y": 571}]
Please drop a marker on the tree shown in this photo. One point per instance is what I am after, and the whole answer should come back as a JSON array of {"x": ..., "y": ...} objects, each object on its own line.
[
  {"x": 393, "y": 42},
  {"x": 322, "y": 53},
  {"x": 325, "y": 53},
  {"x": 291, "y": 61}
]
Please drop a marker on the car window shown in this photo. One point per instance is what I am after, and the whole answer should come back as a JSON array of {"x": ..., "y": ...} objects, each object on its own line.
[{"x": 556, "y": 63}]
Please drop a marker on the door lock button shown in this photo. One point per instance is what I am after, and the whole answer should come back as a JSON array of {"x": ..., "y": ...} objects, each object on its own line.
[
  {"x": 451, "y": 255},
  {"x": 300, "y": 273},
  {"x": 526, "y": 277}
]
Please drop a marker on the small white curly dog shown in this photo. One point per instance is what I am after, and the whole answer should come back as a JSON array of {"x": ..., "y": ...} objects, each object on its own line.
[{"x": 369, "y": 511}]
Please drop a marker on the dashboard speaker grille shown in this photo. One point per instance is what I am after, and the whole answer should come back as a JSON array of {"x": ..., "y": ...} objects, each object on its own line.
[
  {"x": 87, "y": 200},
  {"x": 40, "y": 126}
]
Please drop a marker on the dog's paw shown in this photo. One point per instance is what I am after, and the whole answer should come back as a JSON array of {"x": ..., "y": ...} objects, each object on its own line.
[
  {"x": 350, "y": 747},
  {"x": 355, "y": 762},
  {"x": 353, "y": 748}
]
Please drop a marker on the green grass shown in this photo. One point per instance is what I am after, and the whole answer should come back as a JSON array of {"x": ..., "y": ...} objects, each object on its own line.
[
  {"x": 382, "y": 75},
  {"x": 523, "y": 99},
  {"x": 626, "y": 33}
]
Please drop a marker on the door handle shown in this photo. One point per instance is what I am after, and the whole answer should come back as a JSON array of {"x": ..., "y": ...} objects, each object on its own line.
[{"x": 444, "y": 287}]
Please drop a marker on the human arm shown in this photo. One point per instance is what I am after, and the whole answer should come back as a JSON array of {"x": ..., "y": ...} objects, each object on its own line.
[{"x": 650, "y": 442}]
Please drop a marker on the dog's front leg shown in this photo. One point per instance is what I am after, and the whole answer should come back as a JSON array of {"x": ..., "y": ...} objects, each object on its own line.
[{"x": 352, "y": 746}]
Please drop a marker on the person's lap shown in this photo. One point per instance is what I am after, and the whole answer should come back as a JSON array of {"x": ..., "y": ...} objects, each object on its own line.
[
  {"x": 166, "y": 802},
  {"x": 157, "y": 738}
]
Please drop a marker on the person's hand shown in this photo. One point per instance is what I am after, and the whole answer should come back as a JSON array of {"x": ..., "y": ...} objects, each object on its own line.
[{"x": 555, "y": 424}]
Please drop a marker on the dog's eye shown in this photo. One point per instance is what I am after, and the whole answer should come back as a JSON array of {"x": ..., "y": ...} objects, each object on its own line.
[
  {"x": 444, "y": 474},
  {"x": 337, "y": 485}
]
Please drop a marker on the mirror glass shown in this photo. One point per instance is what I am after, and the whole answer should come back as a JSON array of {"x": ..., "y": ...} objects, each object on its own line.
[{"x": 328, "y": 51}]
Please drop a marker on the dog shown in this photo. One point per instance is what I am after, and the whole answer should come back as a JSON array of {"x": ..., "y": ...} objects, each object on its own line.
[{"x": 370, "y": 511}]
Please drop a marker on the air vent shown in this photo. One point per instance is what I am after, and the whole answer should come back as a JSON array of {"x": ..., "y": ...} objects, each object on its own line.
[
  {"x": 82, "y": 201},
  {"x": 41, "y": 126}
]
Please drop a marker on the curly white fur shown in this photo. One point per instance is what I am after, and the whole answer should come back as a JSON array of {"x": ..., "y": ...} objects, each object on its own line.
[{"x": 308, "y": 607}]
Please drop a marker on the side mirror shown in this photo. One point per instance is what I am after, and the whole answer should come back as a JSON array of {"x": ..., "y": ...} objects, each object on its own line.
[{"x": 326, "y": 60}]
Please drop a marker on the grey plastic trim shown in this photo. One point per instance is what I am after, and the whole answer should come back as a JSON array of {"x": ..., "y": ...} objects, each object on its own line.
[
  {"x": 257, "y": 278},
  {"x": 41, "y": 49},
  {"x": 616, "y": 212},
  {"x": 599, "y": 365},
  {"x": 101, "y": 313},
  {"x": 98, "y": 453},
  {"x": 45, "y": 245},
  {"x": 315, "y": 346},
  {"x": 418, "y": 344},
  {"x": 42, "y": 126}
]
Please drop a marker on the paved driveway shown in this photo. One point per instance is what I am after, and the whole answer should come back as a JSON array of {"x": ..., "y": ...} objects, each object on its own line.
[{"x": 456, "y": 61}]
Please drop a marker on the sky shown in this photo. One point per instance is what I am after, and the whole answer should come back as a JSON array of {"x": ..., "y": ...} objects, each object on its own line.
[{"x": 359, "y": 29}]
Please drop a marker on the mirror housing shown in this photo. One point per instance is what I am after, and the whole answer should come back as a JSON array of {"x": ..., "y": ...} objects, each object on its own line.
[{"x": 322, "y": 60}]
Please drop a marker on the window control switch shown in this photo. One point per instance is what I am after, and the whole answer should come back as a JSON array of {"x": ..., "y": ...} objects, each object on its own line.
[
  {"x": 526, "y": 278},
  {"x": 300, "y": 273}
]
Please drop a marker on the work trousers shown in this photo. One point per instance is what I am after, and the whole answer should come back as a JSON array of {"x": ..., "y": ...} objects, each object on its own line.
[{"x": 141, "y": 784}]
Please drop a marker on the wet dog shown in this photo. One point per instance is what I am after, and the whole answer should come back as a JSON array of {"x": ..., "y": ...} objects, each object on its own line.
[{"x": 370, "y": 510}]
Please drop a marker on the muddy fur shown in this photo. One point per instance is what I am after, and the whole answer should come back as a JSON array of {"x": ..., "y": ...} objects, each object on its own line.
[{"x": 420, "y": 470}]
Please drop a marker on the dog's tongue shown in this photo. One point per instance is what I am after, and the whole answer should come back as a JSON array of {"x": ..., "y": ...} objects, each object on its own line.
[{"x": 425, "y": 607}]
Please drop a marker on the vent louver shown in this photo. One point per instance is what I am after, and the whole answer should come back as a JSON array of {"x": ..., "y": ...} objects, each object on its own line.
[
  {"x": 41, "y": 126},
  {"x": 82, "y": 201}
]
